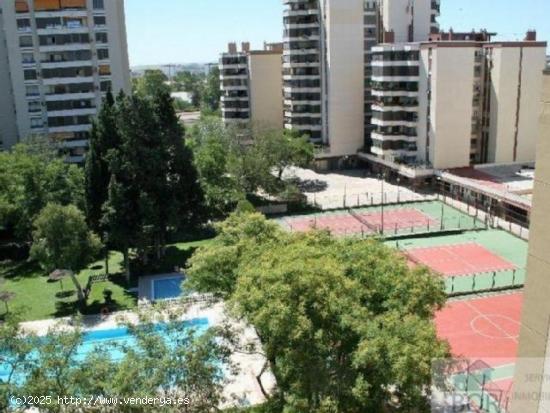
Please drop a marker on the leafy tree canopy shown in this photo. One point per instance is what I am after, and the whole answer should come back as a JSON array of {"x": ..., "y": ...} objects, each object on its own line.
[
  {"x": 346, "y": 325},
  {"x": 31, "y": 176},
  {"x": 234, "y": 162},
  {"x": 151, "y": 82},
  {"x": 62, "y": 240}
]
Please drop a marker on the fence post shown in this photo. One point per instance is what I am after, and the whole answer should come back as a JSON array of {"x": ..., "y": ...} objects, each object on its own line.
[
  {"x": 395, "y": 229},
  {"x": 514, "y": 278},
  {"x": 452, "y": 284},
  {"x": 358, "y": 202},
  {"x": 494, "y": 279},
  {"x": 474, "y": 283}
]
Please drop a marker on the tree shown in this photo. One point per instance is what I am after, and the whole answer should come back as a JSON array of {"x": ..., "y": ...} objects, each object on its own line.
[
  {"x": 152, "y": 82},
  {"x": 193, "y": 84},
  {"x": 284, "y": 148},
  {"x": 104, "y": 139},
  {"x": 62, "y": 240},
  {"x": 161, "y": 357},
  {"x": 154, "y": 186},
  {"x": 346, "y": 325},
  {"x": 236, "y": 162},
  {"x": 211, "y": 93},
  {"x": 210, "y": 142},
  {"x": 16, "y": 358},
  {"x": 180, "y": 199},
  {"x": 32, "y": 175}
]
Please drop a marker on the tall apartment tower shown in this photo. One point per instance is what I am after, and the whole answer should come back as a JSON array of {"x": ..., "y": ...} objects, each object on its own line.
[
  {"x": 531, "y": 381},
  {"x": 252, "y": 84},
  {"x": 57, "y": 59},
  {"x": 455, "y": 101},
  {"x": 327, "y": 64}
]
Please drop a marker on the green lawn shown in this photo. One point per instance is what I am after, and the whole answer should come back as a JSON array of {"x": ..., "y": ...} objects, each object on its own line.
[{"x": 37, "y": 299}]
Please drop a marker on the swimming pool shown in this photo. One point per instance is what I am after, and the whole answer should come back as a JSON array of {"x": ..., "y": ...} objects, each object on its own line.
[
  {"x": 112, "y": 340},
  {"x": 167, "y": 288}
]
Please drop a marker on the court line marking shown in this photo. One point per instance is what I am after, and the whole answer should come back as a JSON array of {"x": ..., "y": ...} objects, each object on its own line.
[{"x": 515, "y": 338}]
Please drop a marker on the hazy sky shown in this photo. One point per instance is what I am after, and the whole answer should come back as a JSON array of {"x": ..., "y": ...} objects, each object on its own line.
[{"x": 186, "y": 31}]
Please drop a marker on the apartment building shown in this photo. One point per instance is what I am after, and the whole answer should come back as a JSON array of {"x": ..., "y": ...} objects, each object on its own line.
[
  {"x": 57, "y": 59},
  {"x": 531, "y": 391},
  {"x": 327, "y": 64},
  {"x": 252, "y": 84},
  {"x": 456, "y": 102}
]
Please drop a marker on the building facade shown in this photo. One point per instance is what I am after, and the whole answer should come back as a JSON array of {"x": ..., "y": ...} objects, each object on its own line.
[
  {"x": 532, "y": 384},
  {"x": 251, "y": 82},
  {"x": 328, "y": 64},
  {"x": 57, "y": 59},
  {"x": 453, "y": 103}
]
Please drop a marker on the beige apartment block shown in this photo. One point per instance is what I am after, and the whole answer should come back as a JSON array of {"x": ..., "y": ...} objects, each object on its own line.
[
  {"x": 345, "y": 75},
  {"x": 251, "y": 82},
  {"x": 532, "y": 377},
  {"x": 266, "y": 87},
  {"x": 445, "y": 135},
  {"x": 61, "y": 57},
  {"x": 514, "y": 94},
  {"x": 455, "y": 103}
]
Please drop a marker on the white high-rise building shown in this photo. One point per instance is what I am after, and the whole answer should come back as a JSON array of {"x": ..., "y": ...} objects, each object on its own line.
[
  {"x": 57, "y": 59},
  {"x": 327, "y": 64}
]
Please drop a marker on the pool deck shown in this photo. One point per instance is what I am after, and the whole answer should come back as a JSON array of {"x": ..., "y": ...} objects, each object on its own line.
[{"x": 242, "y": 388}]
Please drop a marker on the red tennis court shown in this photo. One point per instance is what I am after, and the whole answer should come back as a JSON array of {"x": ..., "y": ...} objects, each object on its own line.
[
  {"x": 460, "y": 259},
  {"x": 337, "y": 224},
  {"x": 483, "y": 328},
  {"x": 363, "y": 222},
  {"x": 398, "y": 219}
]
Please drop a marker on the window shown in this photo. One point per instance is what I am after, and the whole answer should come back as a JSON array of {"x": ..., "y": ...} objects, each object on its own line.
[
  {"x": 35, "y": 106},
  {"x": 102, "y": 54},
  {"x": 100, "y": 21},
  {"x": 32, "y": 90},
  {"x": 37, "y": 123},
  {"x": 30, "y": 74},
  {"x": 24, "y": 25},
  {"x": 98, "y": 5},
  {"x": 104, "y": 70},
  {"x": 101, "y": 37},
  {"x": 105, "y": 86},
  {"x": 25, "y": 41},
  {"x": 27, "y": 58}
]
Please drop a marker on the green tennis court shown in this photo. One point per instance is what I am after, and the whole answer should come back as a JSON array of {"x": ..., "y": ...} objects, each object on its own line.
[{"x": 493, "y": 260}]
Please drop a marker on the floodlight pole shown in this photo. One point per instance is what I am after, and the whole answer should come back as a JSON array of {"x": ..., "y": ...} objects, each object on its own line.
[
  {"x": 382, "y": 177},
  {"x": 440, "y": 184}
]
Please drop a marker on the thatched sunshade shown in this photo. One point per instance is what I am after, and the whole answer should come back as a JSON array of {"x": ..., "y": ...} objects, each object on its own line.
[
  {"x": 59, "y": 275},
  {"x": 7, "y": 296}
]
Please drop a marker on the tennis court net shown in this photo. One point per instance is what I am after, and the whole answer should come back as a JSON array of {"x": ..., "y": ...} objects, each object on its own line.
[{"x": 363, "y": 221}]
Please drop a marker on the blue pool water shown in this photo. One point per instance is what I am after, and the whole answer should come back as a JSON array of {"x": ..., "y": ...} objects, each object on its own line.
[
  {"x": 112, "y": 340},
  {"x": 167, "y": 288}
]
